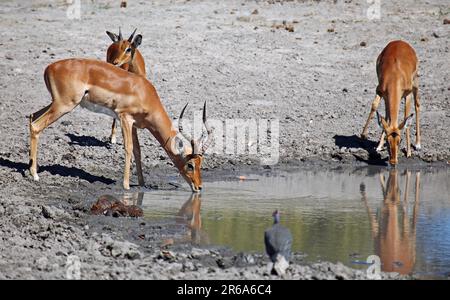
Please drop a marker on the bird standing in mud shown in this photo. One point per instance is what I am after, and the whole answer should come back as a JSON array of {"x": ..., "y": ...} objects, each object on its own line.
[{"x": 278, "y": 241}]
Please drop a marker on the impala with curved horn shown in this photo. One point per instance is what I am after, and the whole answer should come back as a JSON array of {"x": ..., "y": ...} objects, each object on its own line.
[
  {"x": 124, "y": 54},
  {"x": 199, "y": 147},
  {"x": 132, "y": 98},
  {"x": 397, "y": 69}
]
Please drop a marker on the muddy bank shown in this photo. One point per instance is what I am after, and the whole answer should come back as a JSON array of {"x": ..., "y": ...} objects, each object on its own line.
[
  {"x": 43, "y": 226},
  {"x": 41, "y": 236},
  {"x": 317, "y": 80}
]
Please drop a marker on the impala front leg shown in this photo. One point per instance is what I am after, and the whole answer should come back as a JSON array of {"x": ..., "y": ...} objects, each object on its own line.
[
  {"x": 126, "y": 122},
  {"x": 375, "y": 104},
  {"x": 408, "y": 139},
  {"x": 137, "y": 157},
  {"x": 381, "y": 142},
  {"x": 417, "y": 108}
]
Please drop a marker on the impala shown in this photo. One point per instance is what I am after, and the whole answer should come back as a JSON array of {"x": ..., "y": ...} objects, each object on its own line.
[
  {"x": 135, "y": 102},
  {"x": 124, "y": 54},
  {"x": 397, "y": 68}
]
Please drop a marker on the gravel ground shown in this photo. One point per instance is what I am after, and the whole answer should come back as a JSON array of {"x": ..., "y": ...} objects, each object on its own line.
[{"x": 308, "y": 64}]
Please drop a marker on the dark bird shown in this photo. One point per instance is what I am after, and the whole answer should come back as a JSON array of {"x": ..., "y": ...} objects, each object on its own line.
[{"x": 278, "y": 241}]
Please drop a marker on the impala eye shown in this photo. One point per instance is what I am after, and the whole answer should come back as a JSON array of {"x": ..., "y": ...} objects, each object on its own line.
[
  {"x": 128, "y": 50},
  {"x": 190, "y": 167}
]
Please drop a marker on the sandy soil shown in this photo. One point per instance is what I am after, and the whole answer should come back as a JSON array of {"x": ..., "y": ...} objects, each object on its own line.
[{"x": 318, "y": 81}]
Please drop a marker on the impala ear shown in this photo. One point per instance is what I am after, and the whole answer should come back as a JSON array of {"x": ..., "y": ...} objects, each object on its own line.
[
  {"x": 137, "y": 41},
  {"x": 406, "y": 122},
  {"x": 382, "y": 122},
  {"x": 179, "y": 145},
  {"x": 114, "y": 37}
]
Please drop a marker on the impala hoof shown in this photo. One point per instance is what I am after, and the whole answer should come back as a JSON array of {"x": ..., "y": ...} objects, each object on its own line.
[
  {"x": 363, "y": 136},
  {"x": 113, "y": 140},
  {"x": 379, "y": 149},
  {"x": 35, "y": 177},
  {"x": 418, "y": 147}
]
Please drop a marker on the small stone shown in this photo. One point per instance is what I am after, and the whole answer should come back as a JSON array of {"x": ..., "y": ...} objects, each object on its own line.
[
  {"x": 48, "y": 212},
  {"x": 363, "y": 44},
  {"x": 41, "y": 263}
]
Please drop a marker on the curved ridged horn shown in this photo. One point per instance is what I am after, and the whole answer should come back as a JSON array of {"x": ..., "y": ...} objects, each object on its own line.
[
  {"x": 180, "y": 126},
  {"x": 206, "y": 139},
  {"x": 120, "y": 34},
  {"x": 130, "y": 39}
]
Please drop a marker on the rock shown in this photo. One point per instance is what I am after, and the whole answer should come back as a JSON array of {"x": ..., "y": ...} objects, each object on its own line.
[
  {"x": 51, "y": 212},
  {"x": 255, "y": 12},
  {"x": 196, "y": 252},
  {"x": 121, "y": 249},
  {"x": 446, "y": 21},
  {"x": 363, "y": 44},
  {"x": 243, "y": 260},
  {"x": 166, "y": 255},
  {"x": 42, "y": 263}
]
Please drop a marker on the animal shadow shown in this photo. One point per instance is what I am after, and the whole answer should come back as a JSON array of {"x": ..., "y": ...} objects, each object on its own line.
[{"x": 86, "y": 141}]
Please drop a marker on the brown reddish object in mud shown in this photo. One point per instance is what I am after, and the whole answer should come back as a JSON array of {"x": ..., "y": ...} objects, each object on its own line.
[
  {"x": 446, "y": 21},
  {"x": 102, "y": 205},
  {"x": 109, "y": 206},
  {"x": 123, "y": 3}
]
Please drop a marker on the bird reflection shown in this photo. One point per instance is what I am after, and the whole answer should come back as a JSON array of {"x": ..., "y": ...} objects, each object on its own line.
[
  {"x": 189, "y": 214},
  {"x": 393, "y": 229}
]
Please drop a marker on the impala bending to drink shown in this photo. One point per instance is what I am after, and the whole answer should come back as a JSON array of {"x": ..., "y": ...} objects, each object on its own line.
[
  {"x": 397, "y": 68},
  {"x": 135, "y": 102}
]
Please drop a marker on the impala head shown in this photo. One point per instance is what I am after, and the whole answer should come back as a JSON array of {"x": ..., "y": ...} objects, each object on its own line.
[
  {"x": 122, "y": 51},
  {"x": 393, "y": 136},
  {"x": 191, "y": 170}
]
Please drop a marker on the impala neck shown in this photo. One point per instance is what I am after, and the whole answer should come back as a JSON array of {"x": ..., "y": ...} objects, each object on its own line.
[
  {"x": 393, "y": 104},
  {"x": 160, "y": 125}
]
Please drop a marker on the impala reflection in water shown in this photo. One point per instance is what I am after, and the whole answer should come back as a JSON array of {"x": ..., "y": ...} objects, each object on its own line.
[
  {"x": 394, "y": 229},
  {"x": 342, "y": 215}
]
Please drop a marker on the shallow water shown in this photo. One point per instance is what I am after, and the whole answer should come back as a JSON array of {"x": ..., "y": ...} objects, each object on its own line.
[{"x": 401, "y": 216}]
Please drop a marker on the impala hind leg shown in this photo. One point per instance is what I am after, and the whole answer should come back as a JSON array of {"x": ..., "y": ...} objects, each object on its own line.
[
  {"x": 38, "y": 122},
  {"x": 375, "y": 104},
  {"x": 137, "y": 156},
  {"x": 113, "y": 138},
  {"x": 126, "y": 122},
  {"x": 408, "y": 138},
  {"x": 417, "y": 109}
]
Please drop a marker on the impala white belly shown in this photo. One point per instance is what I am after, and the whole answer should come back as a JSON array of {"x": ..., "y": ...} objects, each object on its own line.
[{"x": 98, "y": 108}]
